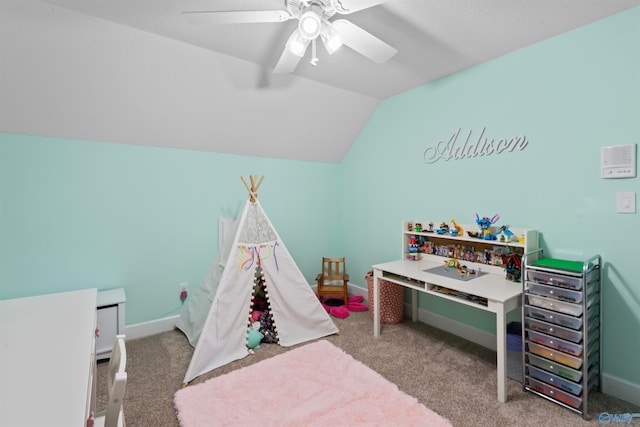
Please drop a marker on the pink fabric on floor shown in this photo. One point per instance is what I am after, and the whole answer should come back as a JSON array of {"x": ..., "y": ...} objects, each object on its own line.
[
  {"x": 317, "y": 384},
  {"x": 355, "y": 298},
  {"x": 340, "y": 312},
  {"x": 354, "y": 303},
  {"x": 356, "y": 306}
]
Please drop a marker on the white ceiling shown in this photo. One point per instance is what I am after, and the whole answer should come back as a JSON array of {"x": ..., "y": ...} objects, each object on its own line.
[{"x": 134, "y": 71}]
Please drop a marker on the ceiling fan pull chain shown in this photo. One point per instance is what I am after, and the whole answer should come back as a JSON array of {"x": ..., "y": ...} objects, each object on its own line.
[
  {"x": 314, "y": 58},
  {"x": 339, "y": 7}
]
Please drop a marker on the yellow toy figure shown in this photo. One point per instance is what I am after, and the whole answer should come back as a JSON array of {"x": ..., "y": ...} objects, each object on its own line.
[
  {"x": 457, "y": 227},
  {"x": 452, "y": 263}
]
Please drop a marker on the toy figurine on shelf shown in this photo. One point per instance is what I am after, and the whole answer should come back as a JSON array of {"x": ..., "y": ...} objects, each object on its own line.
[
  {"x": 426, "y": 247},
  {"x": 412, "y": 255},
  {"x": 444, "y": 228},
  {"x": 418, "y": 227},
  {"x": 485, "y": 224},
  {"x": 505, "y": 234},
  {"x": 457, "y": 230},
  {"x": 514, "y": 268},
  {"x": 430, "y": 230}
]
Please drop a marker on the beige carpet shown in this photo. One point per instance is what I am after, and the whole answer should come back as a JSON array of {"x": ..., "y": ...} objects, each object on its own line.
[{"x": 449, "y": 375}]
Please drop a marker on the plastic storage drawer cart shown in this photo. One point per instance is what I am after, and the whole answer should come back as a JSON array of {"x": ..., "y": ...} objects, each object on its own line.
[
  {"x": 391, "y": 301},
  {"x": 561, "y": 329}
]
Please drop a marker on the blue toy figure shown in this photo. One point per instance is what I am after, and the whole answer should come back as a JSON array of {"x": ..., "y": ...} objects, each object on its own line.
[
  {"x": 413, "y": 249},
  {"x": 505, "y": 234},
  {"x": 485, "y": 223}
]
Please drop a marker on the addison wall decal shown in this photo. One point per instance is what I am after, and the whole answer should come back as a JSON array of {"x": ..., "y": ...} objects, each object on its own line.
[{"x": 481, "y": 146}]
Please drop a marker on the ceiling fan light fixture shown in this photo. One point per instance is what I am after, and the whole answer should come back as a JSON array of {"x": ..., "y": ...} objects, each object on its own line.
[
  {"x": 297, "y": 44},
  {"x": 310, "y": 25},
  {"x": 330, "y": 37}
]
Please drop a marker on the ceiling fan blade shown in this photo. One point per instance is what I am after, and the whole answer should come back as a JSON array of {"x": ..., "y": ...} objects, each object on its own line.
[
  {"x": 364, "y": 42},
  {"x": 287, "y": 63},
  {"x": 235, "y": 16},
  {"x": 346, "y": 7}
]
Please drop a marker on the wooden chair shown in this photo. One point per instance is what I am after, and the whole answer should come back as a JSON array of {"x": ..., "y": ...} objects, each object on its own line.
[
  {"x": 334, "y": 279},
  {"x": 113, "y": 416}
]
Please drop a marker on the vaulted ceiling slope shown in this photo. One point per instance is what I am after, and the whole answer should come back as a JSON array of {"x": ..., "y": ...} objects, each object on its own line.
[{"x": 136, "y": 72}]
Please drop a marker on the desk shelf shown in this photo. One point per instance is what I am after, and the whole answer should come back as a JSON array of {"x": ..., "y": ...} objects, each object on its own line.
[
  {"x": 405, "y": 281},
  {"x": 438, "y": 290},
  {"x": 478, "y": 254},
  {"x": 458, "y": 296}
]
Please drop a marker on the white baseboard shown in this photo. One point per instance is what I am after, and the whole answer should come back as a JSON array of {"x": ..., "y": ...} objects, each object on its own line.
[
  {"x": 357, "y": 290},
  {"x": 152, "y": 327},
  {"x": 622, "y": 389}
]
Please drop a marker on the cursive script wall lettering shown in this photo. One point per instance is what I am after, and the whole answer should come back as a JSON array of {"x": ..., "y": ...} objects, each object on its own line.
[{"x": 481, "y": 146}]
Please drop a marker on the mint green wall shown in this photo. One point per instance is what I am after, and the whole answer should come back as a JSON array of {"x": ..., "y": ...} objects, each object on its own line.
[
  {"x": 77, "y": 214},
  {"x": 569, "y": 96}
]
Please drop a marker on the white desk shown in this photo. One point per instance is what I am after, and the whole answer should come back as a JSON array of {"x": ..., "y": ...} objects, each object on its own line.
[
  {"x": 47, "y": 359},
  {"x": 502, "y": 297}
]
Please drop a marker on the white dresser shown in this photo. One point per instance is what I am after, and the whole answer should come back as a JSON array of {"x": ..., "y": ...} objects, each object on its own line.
[{"x": 47, "y": 359}]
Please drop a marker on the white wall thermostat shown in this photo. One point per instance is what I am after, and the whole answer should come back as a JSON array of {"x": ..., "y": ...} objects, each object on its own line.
[{"x": 618, "y": 161}]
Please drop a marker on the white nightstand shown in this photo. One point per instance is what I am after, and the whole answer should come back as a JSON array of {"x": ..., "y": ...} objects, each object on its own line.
[{"x": 111, "y": 320}]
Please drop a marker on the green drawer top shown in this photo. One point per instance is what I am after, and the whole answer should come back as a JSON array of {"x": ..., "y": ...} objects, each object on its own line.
[{"x": 559, "y": 264}]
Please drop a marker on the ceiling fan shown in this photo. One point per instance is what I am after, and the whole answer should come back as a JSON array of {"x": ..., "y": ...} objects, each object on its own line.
[{"x": 313, "y": 22}]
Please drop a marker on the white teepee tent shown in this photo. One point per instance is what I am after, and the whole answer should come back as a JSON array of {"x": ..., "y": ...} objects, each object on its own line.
[
  {"x": 192, "y": 318},
  {"x": 297, "y": 314}
]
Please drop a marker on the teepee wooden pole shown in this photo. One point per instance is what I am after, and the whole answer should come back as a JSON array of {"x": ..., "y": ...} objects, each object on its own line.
[
  {"x": 245, "y": 183},
  {"x": 253, "y": 189},
  {"x": 259, "y": 182},
  {"x": 251, "y": 195}
]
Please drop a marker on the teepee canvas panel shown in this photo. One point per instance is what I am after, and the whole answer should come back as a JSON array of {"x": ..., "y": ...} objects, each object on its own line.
[{"x": 297, "y": 314}]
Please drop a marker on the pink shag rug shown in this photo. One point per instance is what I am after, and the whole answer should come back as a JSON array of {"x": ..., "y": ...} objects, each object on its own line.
[{"x": 314, "y": 385}]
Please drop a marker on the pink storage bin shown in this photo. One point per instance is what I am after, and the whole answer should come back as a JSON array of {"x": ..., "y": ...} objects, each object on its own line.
[{"x": 391, "y": 300}]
